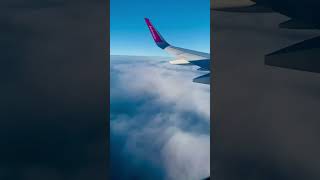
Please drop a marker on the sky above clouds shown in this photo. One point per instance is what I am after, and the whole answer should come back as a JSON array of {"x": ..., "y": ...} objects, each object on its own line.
[{"x": 182, "y": 23}]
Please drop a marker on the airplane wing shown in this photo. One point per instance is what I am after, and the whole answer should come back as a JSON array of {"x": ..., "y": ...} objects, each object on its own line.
[{"x": 183, "y": 56}]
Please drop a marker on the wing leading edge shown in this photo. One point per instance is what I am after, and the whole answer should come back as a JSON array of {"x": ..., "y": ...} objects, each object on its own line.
[{"x": 183, "y": 56}]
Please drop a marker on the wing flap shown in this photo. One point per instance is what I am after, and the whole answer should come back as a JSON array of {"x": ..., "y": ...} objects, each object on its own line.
[
  {"x": 179, "y": 62},
  {"x": 203, "y": 63},
  {"x": 205, "y": 79}
]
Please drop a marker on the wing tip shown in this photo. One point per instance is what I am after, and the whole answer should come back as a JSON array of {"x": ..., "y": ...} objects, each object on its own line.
[{"x": 159, "y": 40}]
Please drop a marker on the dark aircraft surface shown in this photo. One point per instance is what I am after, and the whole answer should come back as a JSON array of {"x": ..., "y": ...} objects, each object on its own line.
[{"x": 303, "y": 15}]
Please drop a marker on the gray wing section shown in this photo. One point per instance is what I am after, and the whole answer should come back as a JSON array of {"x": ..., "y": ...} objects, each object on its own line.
[
  {"x": 193, "y": 57},
  {"x": 205, "y": 79},
  {"x": 303, "y": 56}
]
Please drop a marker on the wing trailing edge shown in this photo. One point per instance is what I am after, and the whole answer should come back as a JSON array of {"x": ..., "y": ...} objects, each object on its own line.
[{"x": 204, "y": 79}]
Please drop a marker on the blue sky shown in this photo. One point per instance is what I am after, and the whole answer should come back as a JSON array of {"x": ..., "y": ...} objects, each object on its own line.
[{"x": 183, "y": 23}]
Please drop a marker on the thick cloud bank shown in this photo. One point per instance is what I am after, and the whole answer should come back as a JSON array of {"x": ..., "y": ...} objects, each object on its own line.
[{"x": 160, "y": 124}]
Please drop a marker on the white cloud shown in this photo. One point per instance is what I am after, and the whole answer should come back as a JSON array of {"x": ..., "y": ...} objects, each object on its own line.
[
  {"x": 170, "y": 83},
  {"x": 160, "y": 136},
  {"x": 187, "y": 156}
]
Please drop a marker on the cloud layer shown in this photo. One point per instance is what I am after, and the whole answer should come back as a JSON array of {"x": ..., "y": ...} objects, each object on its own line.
[{"x": 163, "y": 116}]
